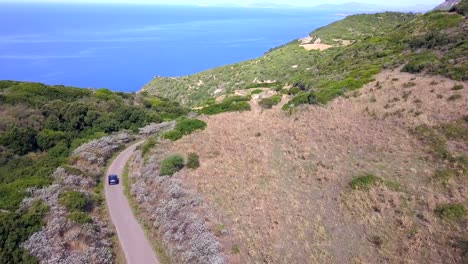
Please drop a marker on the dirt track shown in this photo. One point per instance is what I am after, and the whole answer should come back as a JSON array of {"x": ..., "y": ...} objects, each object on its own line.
[{"x": 132, "y": 239}]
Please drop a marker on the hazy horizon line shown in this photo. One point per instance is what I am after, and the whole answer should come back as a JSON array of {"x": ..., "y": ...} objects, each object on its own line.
[{"x": 251, "y": 5}]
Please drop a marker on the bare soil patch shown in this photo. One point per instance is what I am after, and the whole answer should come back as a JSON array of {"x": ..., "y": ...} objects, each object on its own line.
[{"x": 320, "y": 47}]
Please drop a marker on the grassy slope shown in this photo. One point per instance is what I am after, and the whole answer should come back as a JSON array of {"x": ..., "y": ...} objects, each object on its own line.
[
  {"x": 40, "y": 125},
  {"x": 287, "y": 184},
  {"x": 381, "y": 41}
]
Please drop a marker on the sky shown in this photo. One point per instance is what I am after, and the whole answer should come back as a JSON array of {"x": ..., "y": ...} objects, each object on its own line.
[{"x": 245, "y": 2}]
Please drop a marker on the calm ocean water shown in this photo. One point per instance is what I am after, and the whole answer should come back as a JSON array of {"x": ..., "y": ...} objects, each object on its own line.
[{"x": 122, "y": 47}]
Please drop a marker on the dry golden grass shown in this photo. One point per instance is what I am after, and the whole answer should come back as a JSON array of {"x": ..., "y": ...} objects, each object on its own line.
[{"x": 281, "y": 181}]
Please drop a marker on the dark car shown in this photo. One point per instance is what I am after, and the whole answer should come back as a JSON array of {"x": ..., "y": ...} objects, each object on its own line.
[{"x": 113, "y": 179}]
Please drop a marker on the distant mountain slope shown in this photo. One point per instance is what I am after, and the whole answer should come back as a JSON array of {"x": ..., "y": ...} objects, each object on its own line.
[
  {"x": 359, "y": 47},
  {"x": 354, "y": 6},
  {"x": 445, "y": 6},
  {"x": 276, "y": 65}
]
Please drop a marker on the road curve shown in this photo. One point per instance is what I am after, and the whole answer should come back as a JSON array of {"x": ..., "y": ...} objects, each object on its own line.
[{"x": 132, "y": 239}]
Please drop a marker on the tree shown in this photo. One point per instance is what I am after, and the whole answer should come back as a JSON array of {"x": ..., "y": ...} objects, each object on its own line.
[
  {"x": 47, "y": 138},
  {"x": 20, "y": 140}
]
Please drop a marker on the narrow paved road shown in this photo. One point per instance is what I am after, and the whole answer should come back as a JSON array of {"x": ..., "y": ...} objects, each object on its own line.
[{"x": 134, "y": 244}]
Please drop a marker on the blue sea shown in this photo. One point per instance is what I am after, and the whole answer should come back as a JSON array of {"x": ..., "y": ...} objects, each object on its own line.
[{"x": 122, "y": 47}]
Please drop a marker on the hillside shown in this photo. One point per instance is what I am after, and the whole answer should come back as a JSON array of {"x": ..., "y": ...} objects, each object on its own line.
[
  {"x": 447, "y": 5},
  {"x": 40, "y": 127},
  {"x": 348, "y": 149},
  {"x": 377, "y": 176},
  {"x": 359, "y": 47},
  {"x": 349, "y": 145}
]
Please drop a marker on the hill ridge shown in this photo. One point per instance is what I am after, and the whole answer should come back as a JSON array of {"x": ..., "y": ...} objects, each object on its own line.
[{"x": 430, "y": 42}]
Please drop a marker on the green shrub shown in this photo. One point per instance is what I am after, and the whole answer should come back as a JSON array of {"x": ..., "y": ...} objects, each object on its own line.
[
  {"x": 171, "y": 165},
  {"x": 263, "y": 85},
  {"x": 457, "y": 87},
  {"x": 20, "y": 140},
  {"x": 294, "y": 91},
  {"x": 444, "y": 175},
  {"x": 18, "y": 174},
  {"x": 455, "y": 130},
  {"x": 147, "y": 146},
  {"x": 236, "y": 99},
  {"x": 235, "y": 249},
  {"x": 17, "y": 227},
  {"x": 268, "y": 103},
  {"x": 47, "y": 138},
  {"x": 441, "y": 20},
  {"x": 75, "y": 201},
  {"x": 301, "y": 98},
  {"x": 392, "y": 185},
  {"x": 229, "y": 104},
  {"x": 193, "y": 161},
  {"x": 185, "y": 127},
  {"x": 420, "y": 62},
  {"x": 60, "y": 151},
  {"x": 365, "y": 182},
  {"x": 104, "y": 94},
  {"x": 80, "y": 217},
  {"x": 454, "y": 97},
  {"x": 452, "y": 211},
  {"x": 258, "y": 91}
]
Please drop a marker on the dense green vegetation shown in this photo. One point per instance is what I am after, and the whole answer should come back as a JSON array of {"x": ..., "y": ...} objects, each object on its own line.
[
  {"x": 171, "y": 165},
  {"x": 434, "y": 43},
  {"x": 184, "y": 127},
  {"x": 75, "y": 201},
  {"x": 15, "y": 228},
  {"x": 80, "y": 217},
  {"x": 359, "y": 27},
  {"x": 39, "y": 127},
  {"x": 41, "y": 124},
  {"x": 229, "y": 104}
]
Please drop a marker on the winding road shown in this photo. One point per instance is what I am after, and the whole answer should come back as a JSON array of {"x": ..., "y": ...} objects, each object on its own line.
[{"x": 135, "y": 246}]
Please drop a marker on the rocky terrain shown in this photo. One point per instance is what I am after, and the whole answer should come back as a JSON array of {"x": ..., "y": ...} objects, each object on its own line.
[{"x": 447, "y": 5}]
